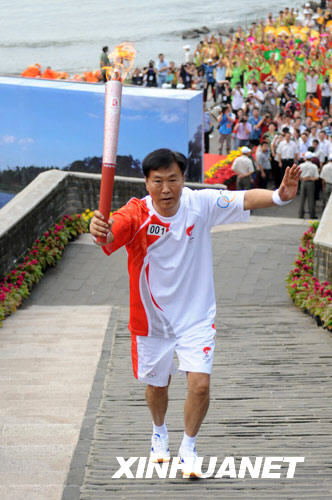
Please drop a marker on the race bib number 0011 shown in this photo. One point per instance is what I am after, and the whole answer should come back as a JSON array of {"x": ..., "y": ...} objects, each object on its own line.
[{"x": 156, "y": 230}]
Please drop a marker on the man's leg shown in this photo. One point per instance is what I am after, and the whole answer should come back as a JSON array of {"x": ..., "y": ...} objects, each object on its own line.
[
  {"x": 228, "y": 143},
  {"x": 302, "y": 199},
  {"x": 157, "y": 399},
  {"x": 153, "y": 365},
  {"x": 195, "y": 408},
  {"x": 197, "y": 401},
  {"x": 221, "y": 143},
  {"x": 311, "y": 199}
]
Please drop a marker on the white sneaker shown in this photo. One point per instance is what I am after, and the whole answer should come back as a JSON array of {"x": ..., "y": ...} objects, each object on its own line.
[
  {"x": 190, "y": 467},
  {"x": 159, "y": 449}
]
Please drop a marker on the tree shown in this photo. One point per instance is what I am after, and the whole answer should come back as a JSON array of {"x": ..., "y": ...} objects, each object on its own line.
[{"x": 195, "y": 157}]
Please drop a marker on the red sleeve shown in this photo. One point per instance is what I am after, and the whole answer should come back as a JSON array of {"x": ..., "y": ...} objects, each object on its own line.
[{"x": 127, "y": 221}]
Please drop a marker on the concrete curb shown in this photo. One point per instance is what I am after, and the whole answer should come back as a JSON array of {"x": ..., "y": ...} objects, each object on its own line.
[{"x": 76, "y": 472}]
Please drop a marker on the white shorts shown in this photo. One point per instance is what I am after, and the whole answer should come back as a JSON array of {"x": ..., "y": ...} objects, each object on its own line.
[{"x": 153, "y": 358}]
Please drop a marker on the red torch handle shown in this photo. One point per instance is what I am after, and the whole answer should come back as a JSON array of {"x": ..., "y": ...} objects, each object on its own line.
[{"x": 113, "y": 90}]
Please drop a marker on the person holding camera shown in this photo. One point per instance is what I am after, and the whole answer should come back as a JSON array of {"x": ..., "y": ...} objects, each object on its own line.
[
  {"x": 242, "y": 131},
  {"x": 226, "y": 120},
  {"x": 237, "y": 97},
  {"x": 285, "y": 96},
  {"x": 104, "y": 63},
  {"x": 256, "y": 121},
  {"x": 150, "y": 74}
]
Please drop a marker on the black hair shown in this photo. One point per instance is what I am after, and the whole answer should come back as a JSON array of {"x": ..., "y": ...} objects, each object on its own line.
[
  {"x": 163, "y": 158},
  {"x": 105, "y": 49}
]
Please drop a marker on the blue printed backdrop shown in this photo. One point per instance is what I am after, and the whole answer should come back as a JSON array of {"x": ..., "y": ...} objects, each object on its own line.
[{"x": 50, "y": 124}]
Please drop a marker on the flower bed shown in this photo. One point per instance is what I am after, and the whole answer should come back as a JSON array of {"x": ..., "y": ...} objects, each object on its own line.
[
  {"x": 46, "y": 251},
  {"x": 306, "y": 291},
  {"x": 221, "y": 172}
]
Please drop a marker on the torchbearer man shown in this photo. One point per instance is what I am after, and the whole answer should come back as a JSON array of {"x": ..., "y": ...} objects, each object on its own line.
[{"x": 172, "y": 301}]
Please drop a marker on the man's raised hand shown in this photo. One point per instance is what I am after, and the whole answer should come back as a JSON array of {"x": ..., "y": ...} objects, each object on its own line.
[
  {"x": 100, "y": 228},
  {"x": 288, "y": 187}
]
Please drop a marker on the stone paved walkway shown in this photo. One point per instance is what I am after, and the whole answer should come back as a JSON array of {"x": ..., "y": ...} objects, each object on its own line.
[{"x": 271, "y": 386}]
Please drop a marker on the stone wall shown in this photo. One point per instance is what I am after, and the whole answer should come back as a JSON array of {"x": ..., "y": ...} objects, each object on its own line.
[
  {"x": 323, "y": 246},
  {"x": 47, "y": 198}
]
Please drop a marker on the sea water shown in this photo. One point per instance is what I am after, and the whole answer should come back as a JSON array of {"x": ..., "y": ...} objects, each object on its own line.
[{"x": 69, "y": 35}]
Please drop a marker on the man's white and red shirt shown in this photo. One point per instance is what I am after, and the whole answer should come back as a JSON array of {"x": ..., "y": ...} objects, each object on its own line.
[{"x": 170, "y": 259}]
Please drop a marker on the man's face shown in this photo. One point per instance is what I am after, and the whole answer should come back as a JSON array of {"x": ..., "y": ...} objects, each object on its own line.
[
  {"x": 165, "y": 188},
  {"x": 287, "y": 136}
]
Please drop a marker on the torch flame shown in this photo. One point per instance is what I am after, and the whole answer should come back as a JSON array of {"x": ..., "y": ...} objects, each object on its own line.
[{"x": 121, "y": 61}]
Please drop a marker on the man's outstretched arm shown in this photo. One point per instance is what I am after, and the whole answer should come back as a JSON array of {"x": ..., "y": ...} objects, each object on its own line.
[{"x": 263, "y": 198}]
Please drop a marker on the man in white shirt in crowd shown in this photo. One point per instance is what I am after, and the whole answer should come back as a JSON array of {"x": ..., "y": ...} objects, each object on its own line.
[
  {"x": 188, "y": 57},
  {"x": 324, "y": 146},
  {"x": 309, "y": 174},
  {"x": 308, "y": 20},
  {"x": 288, "y": 152},
  {"x": 317, "y": 152},
  {"x": 220, "y": 72},
  {"x": 257, "y": 95},
  {"x": 311, "y": 81},
  {"x": 244, "y": 168},
  {"x": 297, "y": 125},
  {"x": 313, "y": 133},
  {"x": 162, "y": 67},
  {"x": 303, "y": 144},
  {"x": 326, "y": 176},
  {"x": 263, "y": 164}
]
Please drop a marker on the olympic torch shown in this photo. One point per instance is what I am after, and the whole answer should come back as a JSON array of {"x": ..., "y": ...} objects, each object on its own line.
[{"x": 121, "y": 61}]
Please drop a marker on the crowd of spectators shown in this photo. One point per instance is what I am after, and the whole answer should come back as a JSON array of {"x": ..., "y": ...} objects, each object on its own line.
[{"x": 266, "y": 90}]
